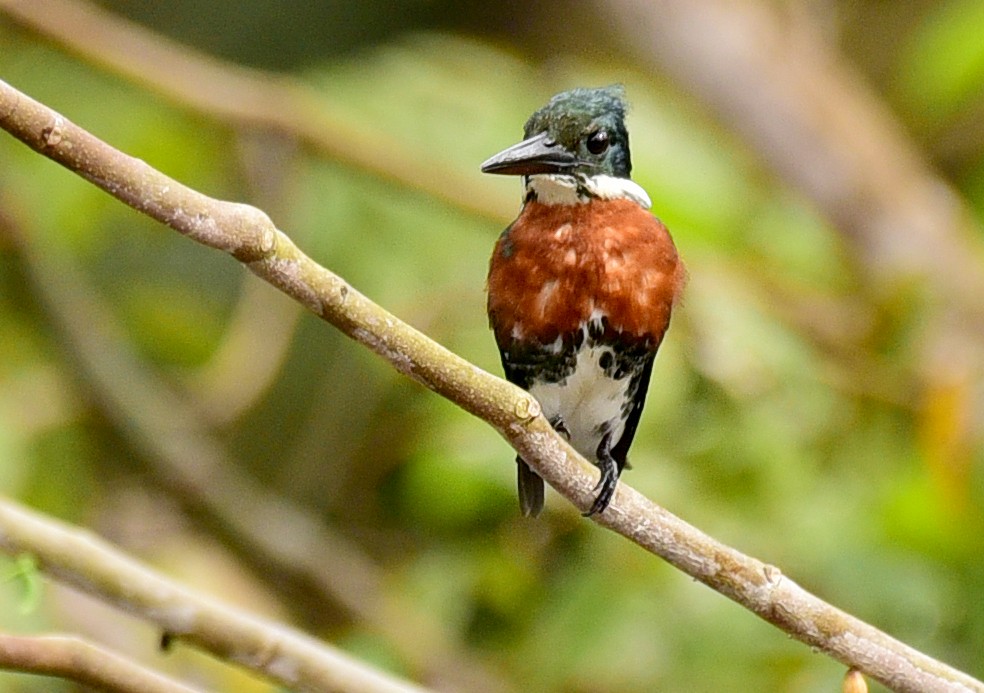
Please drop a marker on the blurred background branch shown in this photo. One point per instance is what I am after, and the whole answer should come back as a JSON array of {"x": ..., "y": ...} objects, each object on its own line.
[
  {"x": 772, "y": 76},
  {"x": 242, "y": 96},
  {"x": 78, "y": 660},
  {"x": 81, "y": 559}
]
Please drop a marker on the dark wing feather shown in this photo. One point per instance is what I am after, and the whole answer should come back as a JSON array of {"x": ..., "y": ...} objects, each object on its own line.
[{"x": 640, "y": 386}]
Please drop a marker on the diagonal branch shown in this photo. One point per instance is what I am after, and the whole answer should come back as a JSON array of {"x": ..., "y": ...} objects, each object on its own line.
[
  {"x": 78, "y": 660},
  {"x": 248, "y": 235}
]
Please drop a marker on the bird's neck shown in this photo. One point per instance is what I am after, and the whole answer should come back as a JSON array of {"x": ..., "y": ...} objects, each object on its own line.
[{"x": 564, "y": 189}]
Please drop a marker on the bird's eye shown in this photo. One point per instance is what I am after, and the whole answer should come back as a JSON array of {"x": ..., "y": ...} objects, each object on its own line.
[{"x": 597, "y": 141}]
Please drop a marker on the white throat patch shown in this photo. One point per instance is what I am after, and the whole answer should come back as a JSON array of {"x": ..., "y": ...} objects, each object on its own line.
[{"x": 563, "y": 189}]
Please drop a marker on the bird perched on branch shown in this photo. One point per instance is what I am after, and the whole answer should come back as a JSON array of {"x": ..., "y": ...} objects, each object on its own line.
[{"x": 581, "y": 285}]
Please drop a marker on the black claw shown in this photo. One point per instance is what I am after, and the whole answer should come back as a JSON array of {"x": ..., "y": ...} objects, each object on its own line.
[{"x": 606, "y": 484}]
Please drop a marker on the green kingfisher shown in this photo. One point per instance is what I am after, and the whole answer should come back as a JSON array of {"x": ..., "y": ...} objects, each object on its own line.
[{"x": 581, "y": 285}]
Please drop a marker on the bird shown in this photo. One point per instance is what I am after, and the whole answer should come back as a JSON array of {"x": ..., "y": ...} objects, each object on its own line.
[{"x": 581, "y": 286}]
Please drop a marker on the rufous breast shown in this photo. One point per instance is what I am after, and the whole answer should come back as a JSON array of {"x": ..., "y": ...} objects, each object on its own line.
[{"x": 558, "y": 266}]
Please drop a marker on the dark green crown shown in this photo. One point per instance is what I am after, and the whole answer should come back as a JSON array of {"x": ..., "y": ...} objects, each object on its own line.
[
  {"x": 590, "y": 124},
  {"x": 580, "y": 132}
]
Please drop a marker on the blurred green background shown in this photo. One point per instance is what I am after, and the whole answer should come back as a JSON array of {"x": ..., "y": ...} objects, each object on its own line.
[{"x": 794, "y": 412}]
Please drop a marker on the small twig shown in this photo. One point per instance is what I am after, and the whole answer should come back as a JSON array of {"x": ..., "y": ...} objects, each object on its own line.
[
  {"x": 78, "y": 660},
  {"x": 248, "y": 235}
]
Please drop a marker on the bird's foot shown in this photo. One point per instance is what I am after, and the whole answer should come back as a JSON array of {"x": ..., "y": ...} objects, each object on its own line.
[{"x": 605, "y": 486}]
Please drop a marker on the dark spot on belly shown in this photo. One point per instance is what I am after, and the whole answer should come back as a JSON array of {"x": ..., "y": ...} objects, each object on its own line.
[{"x": 606, "y": 361}]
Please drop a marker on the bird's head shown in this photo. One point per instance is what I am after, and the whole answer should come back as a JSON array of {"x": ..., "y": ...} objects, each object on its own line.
[{"x": 580, "y": 132}]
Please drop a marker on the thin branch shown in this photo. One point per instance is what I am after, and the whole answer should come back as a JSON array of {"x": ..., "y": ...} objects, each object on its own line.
[
  {"x": 85, "y": 561},
  {"x": 78, "y": 660},
  {"x": 260, "y": 330},
  {"x": 246, "y": 362},
  {"x": 249, "y": 236}
]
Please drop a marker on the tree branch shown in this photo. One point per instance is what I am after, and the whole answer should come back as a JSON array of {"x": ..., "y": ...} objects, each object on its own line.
[
  {"x": 85, "y": 561},
  {"x": 78, "y": 660},
  {"x": 248, "y": 235}
]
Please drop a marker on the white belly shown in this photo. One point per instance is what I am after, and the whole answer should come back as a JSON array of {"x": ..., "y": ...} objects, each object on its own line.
[{"x": 588, "y": 402}]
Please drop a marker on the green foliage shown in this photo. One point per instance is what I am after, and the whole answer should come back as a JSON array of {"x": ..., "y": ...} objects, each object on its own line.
[
  {"x": 943, "y": 69},
  {"x": 790, "y": 414}
]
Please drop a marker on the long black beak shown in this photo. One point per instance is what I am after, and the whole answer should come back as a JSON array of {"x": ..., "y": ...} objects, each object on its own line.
[{"x": 538, "y": 154}]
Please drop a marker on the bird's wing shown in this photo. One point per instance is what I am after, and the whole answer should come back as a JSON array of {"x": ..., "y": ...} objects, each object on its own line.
[{"x": 639, "y": 387}]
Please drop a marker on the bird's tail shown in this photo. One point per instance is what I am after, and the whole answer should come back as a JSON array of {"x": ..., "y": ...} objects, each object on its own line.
[{"x": 530, "y": 489}]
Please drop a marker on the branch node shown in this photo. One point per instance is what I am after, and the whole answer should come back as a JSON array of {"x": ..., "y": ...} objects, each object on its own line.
[
  {"x": 253, "y": 230},
  {"x": 268, "y": 240},
  {"x": 51, "y": 135},
  {"x": 527, "y": 408}
]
